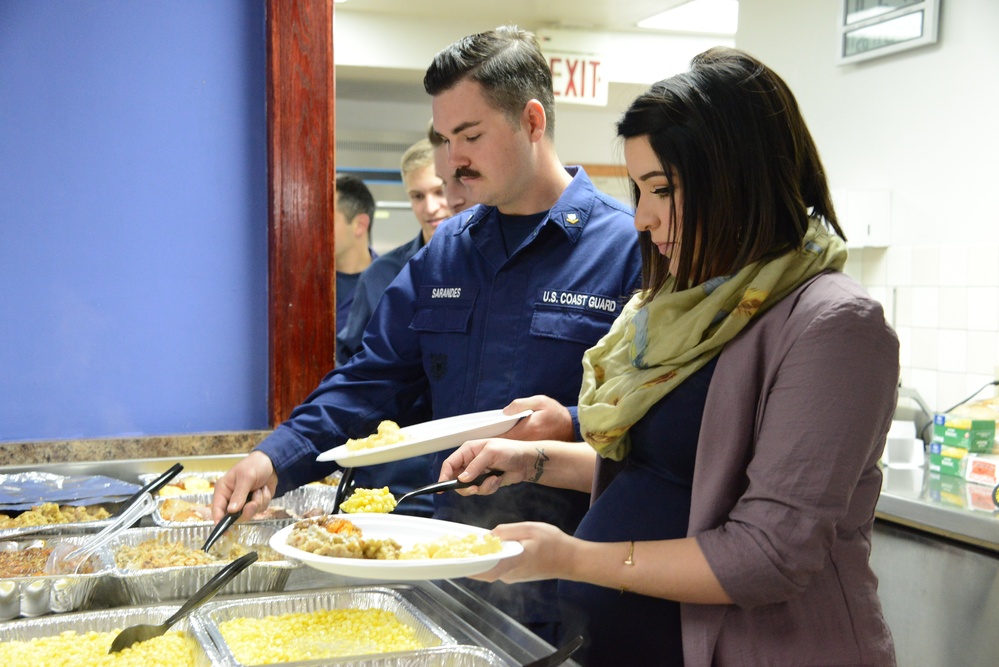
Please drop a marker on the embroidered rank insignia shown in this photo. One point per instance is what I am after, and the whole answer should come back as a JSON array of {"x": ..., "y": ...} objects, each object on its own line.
[{"x": 572, "y": 218}]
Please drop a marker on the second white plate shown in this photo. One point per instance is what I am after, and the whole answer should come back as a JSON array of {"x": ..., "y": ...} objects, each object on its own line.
[
  {"x": 429, "y": 437},
  {"x": 407, "y": 531}
]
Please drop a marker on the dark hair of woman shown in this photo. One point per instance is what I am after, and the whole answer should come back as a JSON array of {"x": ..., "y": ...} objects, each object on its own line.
[{"x": 717, "y": 130}]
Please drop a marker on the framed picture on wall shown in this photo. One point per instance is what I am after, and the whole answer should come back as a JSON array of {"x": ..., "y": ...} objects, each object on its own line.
[{"x": 874, "y": 28}]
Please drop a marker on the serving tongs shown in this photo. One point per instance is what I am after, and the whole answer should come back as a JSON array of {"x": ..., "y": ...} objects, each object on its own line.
[{"x": 66, "y": 557}]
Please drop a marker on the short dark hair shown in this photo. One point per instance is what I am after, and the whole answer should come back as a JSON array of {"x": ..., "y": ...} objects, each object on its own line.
[
  {"x": 354, "y": 198},
  {"x": 506, "y": 62},
  {"x": 731, "y": 132}
]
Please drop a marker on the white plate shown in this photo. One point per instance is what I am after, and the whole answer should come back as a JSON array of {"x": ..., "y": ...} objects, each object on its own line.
[
  {"x": 407, "y": 531},
  {"x": 428, "y": 437}
]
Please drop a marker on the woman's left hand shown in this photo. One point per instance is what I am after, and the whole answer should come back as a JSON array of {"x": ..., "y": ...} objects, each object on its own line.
[{"x": 548, "y": 553}]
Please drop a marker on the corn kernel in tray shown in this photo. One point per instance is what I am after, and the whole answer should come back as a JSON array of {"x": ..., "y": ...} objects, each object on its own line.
[
  {"x": 174, "y": 649},
  {"x": 369, "y": 500},
  {"x": 329, "y": 633},
  {"x": 388, "y": 433}
]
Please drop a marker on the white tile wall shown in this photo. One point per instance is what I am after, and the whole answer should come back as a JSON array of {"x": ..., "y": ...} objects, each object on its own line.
[{"x": 944, "y": 304}]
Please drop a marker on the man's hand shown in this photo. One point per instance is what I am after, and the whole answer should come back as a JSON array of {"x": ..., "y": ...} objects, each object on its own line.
[
  {"x": 549, "y": 421},
  {"x": 249, "y": 485}
]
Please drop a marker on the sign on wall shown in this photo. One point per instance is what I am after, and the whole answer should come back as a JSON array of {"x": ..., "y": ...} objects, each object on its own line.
[{"x": 578, "y": 78}]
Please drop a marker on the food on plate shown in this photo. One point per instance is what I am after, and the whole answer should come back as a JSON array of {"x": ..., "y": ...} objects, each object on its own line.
[
  {"x": 190, "y": 484},
  {"x": 323, "y": 634},
  {"x": 174, "y": 649},
  {"x": 51, "y": 513},
  {"x": 159, "y": 552},
  {"x": 388, "y": 433},
  {"x": 369, "y": 500},
  {"x": 454, "y": 546},
  {"x": 338, "y": 538}
]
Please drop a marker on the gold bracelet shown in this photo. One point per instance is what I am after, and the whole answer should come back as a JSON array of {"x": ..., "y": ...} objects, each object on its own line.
[{"x": 630, "y": 560}]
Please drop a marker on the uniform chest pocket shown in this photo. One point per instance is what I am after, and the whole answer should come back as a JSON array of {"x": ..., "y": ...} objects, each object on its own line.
[
  {"x": 570, "y": 324},
  {"x": 442, "y": 319},
  {"x": 444, "y": 309}
]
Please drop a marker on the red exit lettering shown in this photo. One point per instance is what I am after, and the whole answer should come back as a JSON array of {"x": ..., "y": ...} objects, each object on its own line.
[{"x": 575, "y": 77}]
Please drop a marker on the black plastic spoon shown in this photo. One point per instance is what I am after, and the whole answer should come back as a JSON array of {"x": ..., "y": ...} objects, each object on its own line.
[
  {"x": 142, "y": 632},
  {"x": 450, "y": 484}
]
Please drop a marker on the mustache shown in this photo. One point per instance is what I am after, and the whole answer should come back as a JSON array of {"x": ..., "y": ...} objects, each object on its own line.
[{"x": 465, "y": 172}]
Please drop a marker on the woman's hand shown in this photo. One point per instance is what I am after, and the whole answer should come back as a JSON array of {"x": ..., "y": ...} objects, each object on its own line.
[
  {"x": 477, "y": 456},
  {"x": 548, "y": 553}
]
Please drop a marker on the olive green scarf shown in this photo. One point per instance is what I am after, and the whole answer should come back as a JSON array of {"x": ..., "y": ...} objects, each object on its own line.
[{"x": 651, "y": 349}]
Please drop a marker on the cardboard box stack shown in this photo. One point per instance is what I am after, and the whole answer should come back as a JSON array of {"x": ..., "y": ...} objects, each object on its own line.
[{"x": 956, "y": 439}]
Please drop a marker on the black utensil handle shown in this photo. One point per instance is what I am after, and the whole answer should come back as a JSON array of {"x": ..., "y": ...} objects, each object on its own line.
[
  {"x": 559, "y": 656},
  {"x": 152, "y": 487},
  {"x": 220, "y": 527},
  {"x": 346, "y": 482},
  {"x": 213, "y": 586},
  {"x": 452, "y": 484}
]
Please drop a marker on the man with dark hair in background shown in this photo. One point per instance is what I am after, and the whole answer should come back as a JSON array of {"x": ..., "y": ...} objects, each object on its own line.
[
  {"x": 500, "y": 306},
  {"x": 353, "y": 218}
]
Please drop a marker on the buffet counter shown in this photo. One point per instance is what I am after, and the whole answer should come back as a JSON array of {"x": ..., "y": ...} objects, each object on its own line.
[
  {"x": 461, "y": 614},
  {"x": 935, "y": 551}
]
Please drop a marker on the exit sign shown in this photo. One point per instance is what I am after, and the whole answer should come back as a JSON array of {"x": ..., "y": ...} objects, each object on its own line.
[{"x": 577, "y": 78}]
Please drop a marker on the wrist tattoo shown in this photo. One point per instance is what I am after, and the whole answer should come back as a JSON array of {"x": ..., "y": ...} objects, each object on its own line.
[{"x": 539, "y": 465}]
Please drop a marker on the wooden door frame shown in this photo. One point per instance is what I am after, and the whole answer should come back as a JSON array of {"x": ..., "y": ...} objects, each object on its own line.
[{"x": 301, "y": 168}]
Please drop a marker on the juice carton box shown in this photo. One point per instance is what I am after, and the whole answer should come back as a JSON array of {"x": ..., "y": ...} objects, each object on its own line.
[
  {"x": 945, "y": 460},
  {"x": 974, "y": 435}
]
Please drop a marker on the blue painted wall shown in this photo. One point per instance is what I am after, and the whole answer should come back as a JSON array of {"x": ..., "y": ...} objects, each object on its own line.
[{"x": 133, "y": 217}]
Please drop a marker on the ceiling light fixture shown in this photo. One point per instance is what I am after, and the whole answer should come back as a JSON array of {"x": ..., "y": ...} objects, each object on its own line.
[{"x": 717, "y": 17}]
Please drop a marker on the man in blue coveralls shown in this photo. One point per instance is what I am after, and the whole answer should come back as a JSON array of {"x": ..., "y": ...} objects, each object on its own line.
[{"x": 500, "y": 306}]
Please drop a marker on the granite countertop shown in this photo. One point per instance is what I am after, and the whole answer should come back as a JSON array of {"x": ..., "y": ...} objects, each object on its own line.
[{"x": 142, "y": 447}]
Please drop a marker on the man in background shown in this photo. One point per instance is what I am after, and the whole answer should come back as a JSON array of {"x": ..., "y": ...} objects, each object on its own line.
[
  {"x": 353, "y": 216},
  {"x": 425, "y": 190}
]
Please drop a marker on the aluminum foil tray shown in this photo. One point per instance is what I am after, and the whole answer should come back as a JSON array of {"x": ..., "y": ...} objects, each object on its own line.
[
  {"x": 74, "y": 528},
  {"x": 102, "y": 621},
  {"x": 40, "y": 595},
  {"x": 303, "y": 499},
  {"x": 171, "y": 489},
  {"x": 178, "y": 583},
  {"x": 208, "y": 619}
]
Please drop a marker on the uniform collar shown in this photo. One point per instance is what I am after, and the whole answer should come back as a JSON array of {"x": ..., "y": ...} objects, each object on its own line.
[{"x": 570, "y": 213}]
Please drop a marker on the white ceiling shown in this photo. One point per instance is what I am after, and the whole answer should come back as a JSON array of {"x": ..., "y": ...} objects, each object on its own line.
[
  {"x": 367, "y": 83},
  {"x": 615, "y": 15}
]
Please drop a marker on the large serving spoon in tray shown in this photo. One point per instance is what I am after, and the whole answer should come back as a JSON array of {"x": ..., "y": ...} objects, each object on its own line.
[{"x": 142, "y": 632}]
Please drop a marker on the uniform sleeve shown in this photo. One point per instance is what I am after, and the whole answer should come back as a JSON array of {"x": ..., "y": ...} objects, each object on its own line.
[
  {"x": 382, "y": 381},
  {"x": 812, "y": 473}
]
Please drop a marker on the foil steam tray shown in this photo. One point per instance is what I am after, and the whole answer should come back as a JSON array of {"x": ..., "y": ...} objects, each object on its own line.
[
  {"x": 48, "y": 594},
  {"x": 110, "y": 620},
  {"x": 172, "y": 488},
  {"x": 178, "y": 583},
  {"x": 70, "y": 528},
  {"x": 309, "y": 498},
  {"x": 442, "y": 648}
]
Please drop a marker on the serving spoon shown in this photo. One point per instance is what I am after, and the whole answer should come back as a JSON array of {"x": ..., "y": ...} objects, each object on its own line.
[
  {"x": 142, "y": 632},
  {"x": 448, "y": 485}
]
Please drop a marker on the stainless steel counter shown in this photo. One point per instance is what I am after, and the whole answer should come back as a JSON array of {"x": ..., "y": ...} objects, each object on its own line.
[
  {"x": 940, "y": 504},
  {"x": 935, "y": 551}
]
